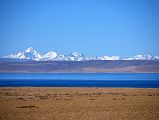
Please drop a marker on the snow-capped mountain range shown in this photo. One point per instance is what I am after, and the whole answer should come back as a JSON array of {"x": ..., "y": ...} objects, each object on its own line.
[
  {"x": 144, "y": 57},
  {"x": 32, "y": 54}
]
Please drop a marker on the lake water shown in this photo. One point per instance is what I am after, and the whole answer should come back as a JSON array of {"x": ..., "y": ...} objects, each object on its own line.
[{"x": 131, "y": 80}]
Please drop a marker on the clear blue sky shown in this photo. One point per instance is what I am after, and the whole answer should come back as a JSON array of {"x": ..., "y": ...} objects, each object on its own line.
[{"x": 92, "y": 27}]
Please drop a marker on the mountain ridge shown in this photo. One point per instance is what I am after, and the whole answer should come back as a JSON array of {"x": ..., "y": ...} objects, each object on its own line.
[
  {"x": 32, "y": 54},
  {"x": 94, "y": 66}
]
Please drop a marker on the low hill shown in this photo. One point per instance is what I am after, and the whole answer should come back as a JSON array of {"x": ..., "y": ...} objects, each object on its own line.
[{"x": 94, "y": 66}]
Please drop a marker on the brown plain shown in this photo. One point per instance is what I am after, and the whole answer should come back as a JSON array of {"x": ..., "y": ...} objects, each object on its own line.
[{"x": 79, "y": 104}]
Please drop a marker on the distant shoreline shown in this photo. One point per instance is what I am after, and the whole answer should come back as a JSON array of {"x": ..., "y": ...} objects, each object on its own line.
[{"x": 105, "y": 66}]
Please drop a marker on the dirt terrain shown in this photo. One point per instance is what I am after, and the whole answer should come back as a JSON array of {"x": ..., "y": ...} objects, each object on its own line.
[{"x": 79, "y": 104}]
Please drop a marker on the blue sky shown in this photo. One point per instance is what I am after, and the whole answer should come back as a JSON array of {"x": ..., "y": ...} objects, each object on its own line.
[{"x": 92, "y": 27}]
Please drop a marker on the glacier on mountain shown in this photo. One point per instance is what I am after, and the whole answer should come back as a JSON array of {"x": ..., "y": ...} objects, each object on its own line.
[
  {"x": 29, "y": 54},
  {"x": 32, "y": 54},
  {"x": 109, "y": 58},
  {"x": 144, "y": 57},
  {"x": 50, "y": 56}
]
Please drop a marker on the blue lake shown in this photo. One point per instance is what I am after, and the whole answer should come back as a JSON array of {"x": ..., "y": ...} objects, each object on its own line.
[{"x": 132, "y": 80}]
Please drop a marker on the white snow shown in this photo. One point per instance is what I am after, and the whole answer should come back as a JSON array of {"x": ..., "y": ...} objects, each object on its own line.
[
  {"x": 30, "y": 49},
  {"x": 50, "y": 55},
  {"x": 144, "y": 57},
  {"x": 32, "y": 54},
  {"x": 29, "y": 53},
  {"x": 76, "y": 54},
  {"x": 109, "y": 58}
]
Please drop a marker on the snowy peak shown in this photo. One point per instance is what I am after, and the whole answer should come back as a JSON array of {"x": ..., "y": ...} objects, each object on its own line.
[
  {"x": 76, "y": 54},
  {"x": 30, "y": 50},
  {"x": 29, "y": 54},
  {"x": 144, "y": 57},
  {"x": 32, "y": 54},
  {"x": 109, "y": 58},
  {"x": 16, "y": 56},
  {"x": 50, "y": 55}
]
